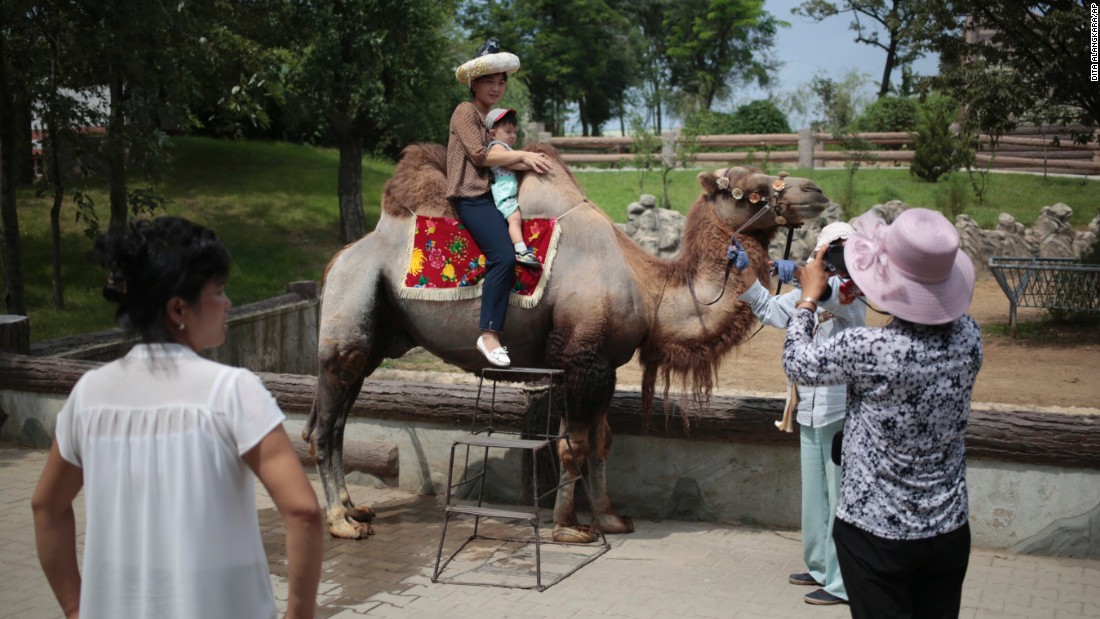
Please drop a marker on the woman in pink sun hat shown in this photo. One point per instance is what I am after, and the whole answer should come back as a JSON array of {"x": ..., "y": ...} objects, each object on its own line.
[{"x": 901, "y": 532}]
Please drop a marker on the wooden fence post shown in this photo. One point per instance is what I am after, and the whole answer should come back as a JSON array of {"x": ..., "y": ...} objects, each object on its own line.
[
  {"x": 15, "y": 334},
  {"x": 806, "y": 149},
  {"x": 668, "y": 147}
]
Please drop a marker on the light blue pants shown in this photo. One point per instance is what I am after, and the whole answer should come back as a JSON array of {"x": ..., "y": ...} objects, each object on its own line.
[{"x": 820, "y": 491}]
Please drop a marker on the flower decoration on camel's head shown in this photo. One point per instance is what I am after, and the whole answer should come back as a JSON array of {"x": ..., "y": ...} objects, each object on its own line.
[
  {"x": 737, "y": 193},
  {"x": 754, "y": 197},
  {"x": 723, "y": 183}
]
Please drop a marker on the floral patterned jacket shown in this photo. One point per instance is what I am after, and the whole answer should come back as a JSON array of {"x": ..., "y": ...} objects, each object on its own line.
[{"x": 909, "y": 386}]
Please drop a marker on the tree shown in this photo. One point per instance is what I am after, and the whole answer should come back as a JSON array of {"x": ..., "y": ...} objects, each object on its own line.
[
  {"x": 579, "y": 52},
  {"x": 375, "y": 72},
  {"x": 712, "y": 43},
  {"x": 61, "y": 68},
  {"x": 907, "y": 27},
  {"x": 14, "y": 45},
  {"x": 936, "y": 150},
  {"x": 653, "y": 62},
  {"x": 1013, "y": 58}
]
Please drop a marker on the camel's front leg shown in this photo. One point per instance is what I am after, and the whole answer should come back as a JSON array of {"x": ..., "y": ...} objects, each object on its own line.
[
  {"x": 572, "y": 454},
  {"x": 338, "y": 385},
  {"x": 610, "y": 521}
]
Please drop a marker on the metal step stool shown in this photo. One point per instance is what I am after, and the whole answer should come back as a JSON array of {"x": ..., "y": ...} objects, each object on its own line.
[{"x": 487, "y": 437}]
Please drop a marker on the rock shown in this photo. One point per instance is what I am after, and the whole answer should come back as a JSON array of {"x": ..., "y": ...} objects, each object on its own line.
[
  {"x": 658, "y": 230},
  {"x": 972, "y": 242},
  {"x": 879, "y": 213},
  {"x": 804, "y": 239},
  {"x": 687, "y": 503},
  {"x": 34, "y": 435},
  {"x": 1077, "y": 537},
  {"x": 1054, "y": 233}
]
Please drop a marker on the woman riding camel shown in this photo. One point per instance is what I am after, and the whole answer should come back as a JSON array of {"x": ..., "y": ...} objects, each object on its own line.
[{"x": 469, "y": 174}]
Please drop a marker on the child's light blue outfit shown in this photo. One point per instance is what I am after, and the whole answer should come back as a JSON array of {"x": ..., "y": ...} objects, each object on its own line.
[{"x": 505, "y": 186}]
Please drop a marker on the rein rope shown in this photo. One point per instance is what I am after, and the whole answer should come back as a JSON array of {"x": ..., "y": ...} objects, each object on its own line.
[{"x": 729, "y": 263}]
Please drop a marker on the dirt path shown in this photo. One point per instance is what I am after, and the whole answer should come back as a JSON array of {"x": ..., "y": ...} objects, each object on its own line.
[
  {"x": 1061, "y": 374},
  {"x": 1013, "y": 372}
]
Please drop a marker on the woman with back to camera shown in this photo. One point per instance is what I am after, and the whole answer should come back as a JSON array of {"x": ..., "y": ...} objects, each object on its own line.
[
  {"x": 166, "y": 445},
  {"x": 469, "y": 164},
  {"x": 901, "y": 532}
]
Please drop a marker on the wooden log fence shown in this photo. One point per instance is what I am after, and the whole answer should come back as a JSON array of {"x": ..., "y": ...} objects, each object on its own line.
[
  {"x": 1049, "y": 153},
  {"x": 1014, "y": 435}
]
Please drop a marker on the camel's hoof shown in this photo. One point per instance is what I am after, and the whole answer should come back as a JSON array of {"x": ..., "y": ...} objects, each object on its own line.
[
  {"x": 361, "y": 513},
  {"x": 349, "y": 529},
  {"x": 616, "y": 523},
  {"x": 576, "y": 534}
]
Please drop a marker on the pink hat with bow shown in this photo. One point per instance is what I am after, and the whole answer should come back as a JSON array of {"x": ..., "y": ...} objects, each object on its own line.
[{"x": 913, "y": 268}]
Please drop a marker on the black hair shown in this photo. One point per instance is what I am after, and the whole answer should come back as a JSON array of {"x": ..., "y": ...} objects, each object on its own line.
[
  {"x": 507, "y": 119},
  {"x": 153, "y": 262}
]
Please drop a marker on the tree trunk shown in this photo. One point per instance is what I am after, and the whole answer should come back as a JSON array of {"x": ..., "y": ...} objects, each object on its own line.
[
  {"x": 55, "y": 214},
  {"x": 15, "y": 334},
  {"x": 116, "y": 158},
  {"x": 14, "y": 291},
  {"x": 24, "y": 144},
  {"x": 353, "y": 222},
  {"x": 891, "y": 58}
]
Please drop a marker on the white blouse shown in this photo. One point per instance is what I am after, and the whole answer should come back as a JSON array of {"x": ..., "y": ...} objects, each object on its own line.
[{"x": 171, "y": 507}]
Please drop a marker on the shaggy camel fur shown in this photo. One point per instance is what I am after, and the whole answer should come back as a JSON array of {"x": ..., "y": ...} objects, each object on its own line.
[{"x": 606, "y": 300}]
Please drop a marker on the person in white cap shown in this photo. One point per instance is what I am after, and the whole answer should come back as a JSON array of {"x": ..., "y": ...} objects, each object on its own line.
[
  {"x": 503, "y": 127},
  {"x": 820, "y": 414},
  {"x": 468, "y": 176},
  {"x": 901, "y": 529}
]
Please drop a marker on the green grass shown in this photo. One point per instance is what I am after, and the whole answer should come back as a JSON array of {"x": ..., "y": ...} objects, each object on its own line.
[
  {"x": 273, "y": 204},
  {"x": 275, "y": 207}
]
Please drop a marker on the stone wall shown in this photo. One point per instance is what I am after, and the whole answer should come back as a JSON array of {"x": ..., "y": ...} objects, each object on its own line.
[{"x": 273, "y": 335}]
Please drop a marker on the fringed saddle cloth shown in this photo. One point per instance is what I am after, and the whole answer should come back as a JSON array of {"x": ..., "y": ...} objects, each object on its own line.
[{"x": 445, "y": 263}]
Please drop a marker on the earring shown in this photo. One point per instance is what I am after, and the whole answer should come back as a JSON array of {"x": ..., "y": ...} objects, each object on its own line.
[{"x": 182, "y": 326}]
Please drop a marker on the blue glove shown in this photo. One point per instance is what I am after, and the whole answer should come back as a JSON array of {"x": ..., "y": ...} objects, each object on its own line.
[
  {"x": 736, "y": 254},
  {"x": 784, "y": 269}
]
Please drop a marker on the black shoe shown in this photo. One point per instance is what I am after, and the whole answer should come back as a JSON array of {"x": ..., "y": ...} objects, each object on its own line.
[
  {"x": 803, "y": 579},
  {"x": 528, "y": 259},
  {"x": 822, "y": 597}
]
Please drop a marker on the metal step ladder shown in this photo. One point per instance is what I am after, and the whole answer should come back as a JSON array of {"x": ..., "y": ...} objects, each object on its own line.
[{"x": 487, "y": 437}]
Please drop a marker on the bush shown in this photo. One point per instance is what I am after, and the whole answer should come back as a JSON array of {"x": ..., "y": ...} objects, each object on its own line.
[
  {"x": 889, "y": 114},
  {"x": 760, "y": 116},
  {"x": 706, "y": 122},
  {"x": 938, "y": 152}
]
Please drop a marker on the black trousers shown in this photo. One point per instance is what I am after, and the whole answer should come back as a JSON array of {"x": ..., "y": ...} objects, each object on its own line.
[
  {"x": 888, "y": 579},
  {"x": 490, "y": 231}
]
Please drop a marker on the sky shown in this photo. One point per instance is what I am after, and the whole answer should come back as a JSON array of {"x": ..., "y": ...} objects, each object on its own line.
[{"x": 808, "y": 48}]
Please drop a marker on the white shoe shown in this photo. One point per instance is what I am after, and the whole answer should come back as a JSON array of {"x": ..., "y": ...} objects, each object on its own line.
[{"x": 498, "y": 356}]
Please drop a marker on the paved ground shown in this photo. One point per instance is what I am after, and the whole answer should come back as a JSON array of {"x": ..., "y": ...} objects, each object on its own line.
[{"x": 664, "y": 569}]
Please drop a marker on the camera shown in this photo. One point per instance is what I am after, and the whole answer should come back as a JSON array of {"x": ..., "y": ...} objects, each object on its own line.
[{"x": 834, "y": 259}]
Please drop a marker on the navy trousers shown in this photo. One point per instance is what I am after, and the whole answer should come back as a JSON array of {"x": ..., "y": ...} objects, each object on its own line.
[
  {"x": 895, "y": 579},
  {"x": 480, "y": 216}
]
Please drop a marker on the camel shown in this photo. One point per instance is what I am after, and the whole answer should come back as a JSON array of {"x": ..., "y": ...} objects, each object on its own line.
[{"x": 606, "y": 299}]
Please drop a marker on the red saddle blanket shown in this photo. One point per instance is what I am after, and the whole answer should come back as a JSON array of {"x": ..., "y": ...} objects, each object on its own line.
[{"x": 445, "y": 263}]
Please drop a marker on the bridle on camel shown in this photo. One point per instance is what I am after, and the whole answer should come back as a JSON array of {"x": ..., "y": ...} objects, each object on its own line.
[{"x": 774, "y": 200}]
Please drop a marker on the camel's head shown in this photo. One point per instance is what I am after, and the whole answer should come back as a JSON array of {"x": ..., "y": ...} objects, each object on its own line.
[{"x": 743, "y": 194}]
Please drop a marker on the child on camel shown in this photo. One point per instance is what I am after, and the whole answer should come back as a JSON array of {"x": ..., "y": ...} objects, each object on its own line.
[{"x": 503, "y": 130}]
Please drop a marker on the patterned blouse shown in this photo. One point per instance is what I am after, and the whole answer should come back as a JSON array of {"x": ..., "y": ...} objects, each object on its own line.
[
  {"x": 909, "y": 386},
  {"x": 467, "y": 146}
]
